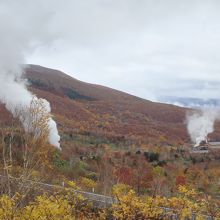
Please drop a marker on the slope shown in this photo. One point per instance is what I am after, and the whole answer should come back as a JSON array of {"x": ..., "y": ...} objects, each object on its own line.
[{"x": 85, "y": 108}]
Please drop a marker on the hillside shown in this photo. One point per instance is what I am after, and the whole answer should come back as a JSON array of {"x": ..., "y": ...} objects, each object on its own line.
[{"x": 106, "y": 113}]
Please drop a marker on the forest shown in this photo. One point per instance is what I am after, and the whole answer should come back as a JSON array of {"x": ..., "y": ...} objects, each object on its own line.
[{"x": 160, "y": 182}]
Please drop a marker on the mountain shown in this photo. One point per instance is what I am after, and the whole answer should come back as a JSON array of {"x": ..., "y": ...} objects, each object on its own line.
[
  {"x": 90, "y": 115},
  {"x": 190, "y": 102},
  {"x": 105, "y": 113}
]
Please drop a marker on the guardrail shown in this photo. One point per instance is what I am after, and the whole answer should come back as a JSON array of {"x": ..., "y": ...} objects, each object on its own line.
[{"x": 102, "y": 201}]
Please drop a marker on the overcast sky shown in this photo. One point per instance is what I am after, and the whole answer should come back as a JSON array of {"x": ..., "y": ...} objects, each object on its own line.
[{"x": 148, "y": 48}]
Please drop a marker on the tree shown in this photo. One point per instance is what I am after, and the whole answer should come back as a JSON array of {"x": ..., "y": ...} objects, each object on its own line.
[{"x": 25, "y": 149}]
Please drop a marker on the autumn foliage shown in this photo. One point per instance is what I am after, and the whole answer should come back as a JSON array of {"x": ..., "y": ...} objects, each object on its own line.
[
  {"x": 68, "y": 204},
  {"x": 112, "y": 144}
]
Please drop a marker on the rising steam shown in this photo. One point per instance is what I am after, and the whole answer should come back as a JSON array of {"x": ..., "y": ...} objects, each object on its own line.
[
  {"x": 201, "y": 123},
  {"x": 18, "y": 35}
]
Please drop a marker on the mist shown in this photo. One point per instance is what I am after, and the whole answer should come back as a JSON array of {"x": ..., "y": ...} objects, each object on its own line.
[
  {"x": 21, "y": 32},
  {"x": 201, "y": 123}
]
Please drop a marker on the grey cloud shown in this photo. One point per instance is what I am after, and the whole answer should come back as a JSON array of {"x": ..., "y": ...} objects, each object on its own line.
[{"x": 144, "y": 47}]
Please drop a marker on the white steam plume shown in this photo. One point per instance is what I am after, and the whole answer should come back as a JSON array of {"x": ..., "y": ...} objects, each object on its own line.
[
  {"x": 201, "y": 123},
  {"x": 20, "y": 31}
]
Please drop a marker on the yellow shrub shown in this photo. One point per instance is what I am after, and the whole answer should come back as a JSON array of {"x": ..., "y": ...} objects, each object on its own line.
[
  {"x": 88, "y": 183},
  {"x": 52, "y": 207}
]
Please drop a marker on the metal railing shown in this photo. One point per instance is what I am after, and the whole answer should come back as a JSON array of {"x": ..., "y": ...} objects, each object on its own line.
[{"x": 102, "y": 201}]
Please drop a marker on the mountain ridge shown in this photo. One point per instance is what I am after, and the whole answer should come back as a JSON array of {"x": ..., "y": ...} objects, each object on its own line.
[{"x": 105, "y": 111}]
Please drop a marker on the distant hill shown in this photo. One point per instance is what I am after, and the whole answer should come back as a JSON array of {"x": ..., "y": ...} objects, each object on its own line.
[{"x": 190, "y": 102}]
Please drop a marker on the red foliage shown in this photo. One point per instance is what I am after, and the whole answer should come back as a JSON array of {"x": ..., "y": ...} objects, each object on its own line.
[
  {"x": 125, "y": 175},
  {"x": 180, "y": 180}
]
